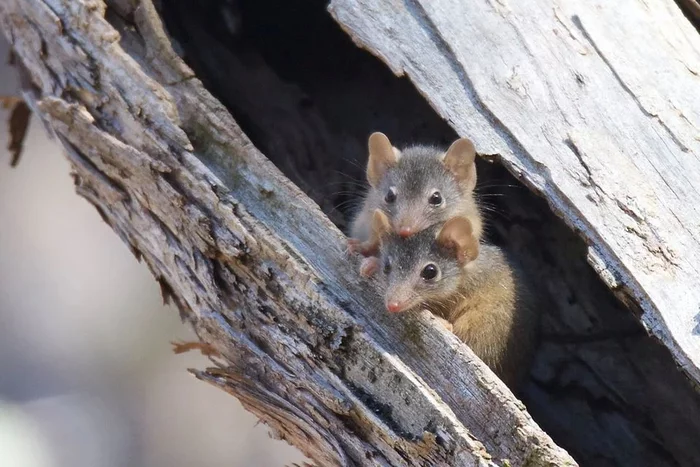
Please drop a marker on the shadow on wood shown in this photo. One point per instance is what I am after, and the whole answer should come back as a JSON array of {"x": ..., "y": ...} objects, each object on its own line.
[
  {"x": 601, "y": 386},
  {"x": 260, "y": 273}
]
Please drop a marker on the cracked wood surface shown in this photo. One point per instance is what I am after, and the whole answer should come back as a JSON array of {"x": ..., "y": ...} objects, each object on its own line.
[
  {"x": 251, "y": 262},
  {"x": 595, "y": 105}
]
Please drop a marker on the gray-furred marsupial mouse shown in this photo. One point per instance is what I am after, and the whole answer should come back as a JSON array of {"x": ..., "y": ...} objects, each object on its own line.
[
  {"x": 416, "y": 187},
  {"x": 473, "y": 286}
]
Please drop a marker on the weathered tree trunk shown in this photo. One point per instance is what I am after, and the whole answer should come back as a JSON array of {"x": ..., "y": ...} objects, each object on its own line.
[
  {"x": 259, "y": 270},
  {"x": 594, "y": 106},
  {"x": 576, "y": 101}
]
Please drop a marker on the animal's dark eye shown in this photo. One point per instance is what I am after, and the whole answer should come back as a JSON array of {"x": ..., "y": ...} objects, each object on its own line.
[
  {"x": 387, "y": 267},
  {"x": 429, "y": 272},
  {"x": 435, "y": 199},
  {"x": 390, "y": 195}
]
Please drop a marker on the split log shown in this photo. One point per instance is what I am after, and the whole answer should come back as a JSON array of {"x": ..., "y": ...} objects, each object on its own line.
[
  {"x": 588, "y": 111},
  {"x": 255, "y": 266},
  {"x": 596, "y": 108},
  {"x": 258, "y": 269}
]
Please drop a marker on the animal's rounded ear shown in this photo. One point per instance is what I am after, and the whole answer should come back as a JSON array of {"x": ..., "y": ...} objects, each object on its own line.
[
  {"x": 381, "y": 226},
  {"x": 459, "y": 159},
  {"x": 382, "y": 156},
  {"x": 457, "y": 235}
]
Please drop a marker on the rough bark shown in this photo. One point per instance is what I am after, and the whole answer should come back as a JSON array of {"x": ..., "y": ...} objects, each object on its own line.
[
  {"x": 595, "y": 106},
  {"x": 601, "y": 387},
  {"x": 571, "y": 98},
  {"x": 252, "y": 263},
  {"x": 308, "y": 98}
]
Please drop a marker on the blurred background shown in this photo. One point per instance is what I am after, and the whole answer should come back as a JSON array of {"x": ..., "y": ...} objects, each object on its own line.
[{"x": 87, "y": 375}]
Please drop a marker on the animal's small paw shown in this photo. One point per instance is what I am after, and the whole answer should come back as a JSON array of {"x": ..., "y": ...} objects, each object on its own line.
[
  {"x": 353, "y": 246},
  {"x": 369, "y": 266},
  {"x": 369, "y": 248},
  {"x": 445, "y": 323}
]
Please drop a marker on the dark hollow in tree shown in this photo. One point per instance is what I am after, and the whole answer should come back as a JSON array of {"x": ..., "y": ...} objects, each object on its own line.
[
  {"x": 309, "y": 98},
  {"x": 258, "y": 270}
]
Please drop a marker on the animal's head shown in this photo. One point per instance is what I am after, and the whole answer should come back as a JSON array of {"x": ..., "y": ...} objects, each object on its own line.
[
  {"x": 424, "y": 268},
  {"x": 421, "y": 186}
]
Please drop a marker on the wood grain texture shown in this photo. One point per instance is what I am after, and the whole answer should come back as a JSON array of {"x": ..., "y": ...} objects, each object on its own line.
[
  {"x": 592, "y": 104},
  {"x": 601, "y": 386},
  {"x": 252, "y": 263}
]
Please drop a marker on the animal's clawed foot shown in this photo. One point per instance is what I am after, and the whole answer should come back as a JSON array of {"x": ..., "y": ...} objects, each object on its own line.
[
  {"x": 445, "y": 323},
  {"x": 369, "y": 266},
  {"x": 353, "y": 246},
  {"x": 368, "y": 249}
]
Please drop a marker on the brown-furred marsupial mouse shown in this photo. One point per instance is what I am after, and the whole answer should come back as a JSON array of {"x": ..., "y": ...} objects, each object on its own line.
[
  {"x": 416, "y": 187},
  {"x": 475, "y": 287}
]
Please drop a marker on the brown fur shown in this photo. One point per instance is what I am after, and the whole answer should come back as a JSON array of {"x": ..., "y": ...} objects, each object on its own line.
[
  {"x": 480, "y": 292},
  {"x": 496, "y": 314}
]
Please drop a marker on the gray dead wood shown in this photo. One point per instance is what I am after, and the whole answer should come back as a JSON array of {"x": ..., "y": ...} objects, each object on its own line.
[
  {"x": 603, "y": 388},
  {"x": 250, "y": 261},
  {"x": 594, "y": 105}
]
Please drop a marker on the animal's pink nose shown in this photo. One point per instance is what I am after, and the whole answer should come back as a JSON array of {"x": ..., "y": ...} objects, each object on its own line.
[
  {"x": 405, "y": 232},
  {"x": 393, "y": 307}
]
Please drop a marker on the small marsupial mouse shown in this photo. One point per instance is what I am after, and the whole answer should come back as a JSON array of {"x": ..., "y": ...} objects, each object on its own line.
[
  {"x": 416, "y": 187},
  {"x": 475, "y": 287}
]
